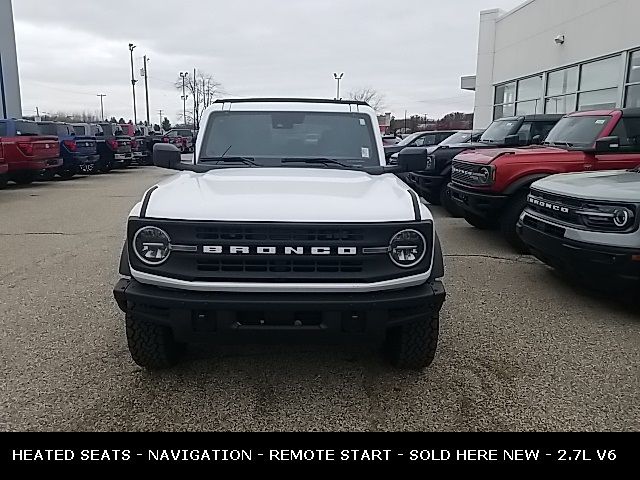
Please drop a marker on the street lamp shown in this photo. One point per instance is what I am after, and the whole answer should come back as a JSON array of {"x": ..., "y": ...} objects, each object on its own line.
[
  {"x": 184, "y": 76},
  {"x": 133, "y": 84},
  {"x": 338, "y": 78}
]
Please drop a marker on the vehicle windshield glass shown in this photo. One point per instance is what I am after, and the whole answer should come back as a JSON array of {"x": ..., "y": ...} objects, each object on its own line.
[
  {"x": 407, "y": 140},
  {"x": 27, "y": 129},
  {"x": 579, "y": 131},
  {"x": 49, "y": 129},
  {"x": 459, "y": 137},
  {"x": 107, "y": 128},
  {"x": 268, "y": 137},
  {"x": 499, "y": 130},
  {"x": 79, "y": 130}
]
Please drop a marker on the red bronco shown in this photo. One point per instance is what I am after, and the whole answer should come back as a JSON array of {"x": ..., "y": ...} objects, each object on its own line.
[{"x": 491, "y": 186}]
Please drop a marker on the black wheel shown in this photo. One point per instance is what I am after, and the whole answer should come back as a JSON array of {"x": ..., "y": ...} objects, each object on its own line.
[
  {"x": 3, "y": 181},
  {"x": 106, "y": 167},
  {"x": 509, "y": 220},
  {"x": 478, "y": 222},
  {"x": 126, "y": 163},
  {"x": 67, "y": 174},
  {"x": 24, "y": 178},
  {"x": 151, "y": 345},
  {"x": 47, "y": 175},
  {"x": 447, "y": 202},
  {"x": 414, "y": 344}
]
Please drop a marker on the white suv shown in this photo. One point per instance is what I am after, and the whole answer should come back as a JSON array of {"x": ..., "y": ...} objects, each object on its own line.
[{"x": 288, "y": 225}]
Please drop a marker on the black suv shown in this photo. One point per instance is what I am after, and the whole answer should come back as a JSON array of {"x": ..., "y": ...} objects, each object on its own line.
[
  {"x": 519, "y": 131},
  {"x": 418, "y": 139}
]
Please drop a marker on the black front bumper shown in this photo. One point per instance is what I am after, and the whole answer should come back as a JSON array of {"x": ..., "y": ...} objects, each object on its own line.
[
  {"x": 589, "y": 261},
  {"x": 216, "y": 316},
  {"x": 428, "y": 186},
  {"x": 485, "y": 205}
]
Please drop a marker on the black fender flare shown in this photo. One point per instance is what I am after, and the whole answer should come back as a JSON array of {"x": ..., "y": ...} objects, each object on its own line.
[
  {"x": 124, "y": 261},
  {"x": 437, "y": 269},
  {"x": 524, "y": 182}
]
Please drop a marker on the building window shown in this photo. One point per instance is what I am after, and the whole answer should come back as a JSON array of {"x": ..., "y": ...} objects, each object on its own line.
[
  {"x": 589, "y": 86},
  {"x": 518, "y": 98},
  {"x": 632, "y": 88}
]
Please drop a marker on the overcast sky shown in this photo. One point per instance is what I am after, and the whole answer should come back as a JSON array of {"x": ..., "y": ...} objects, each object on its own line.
[{"x": 413, "y": 51}]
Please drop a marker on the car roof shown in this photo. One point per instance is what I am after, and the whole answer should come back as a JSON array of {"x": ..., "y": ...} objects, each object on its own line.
[{"x": 290, "y": 100}]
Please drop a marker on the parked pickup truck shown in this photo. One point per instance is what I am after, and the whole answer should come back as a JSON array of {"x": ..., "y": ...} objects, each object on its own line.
[
  {"x": 27, "y": 152},
  {"x": 114, "y": 147},
  {"x": 491, "y": 185},
  {"x": 587, "y": 225},
  {"x": 79, "y": 151},
  {"x": 142, "y": 153},
  {"x": 432, "y": 184},
  {"x": 4, "y": 169},
  {"x": 339, "y": 247},
  {"x": 188, "y": 138}
]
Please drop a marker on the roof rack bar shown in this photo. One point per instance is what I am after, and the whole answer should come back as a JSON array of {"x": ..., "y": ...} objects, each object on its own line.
[{"x": 297, "y": 100}]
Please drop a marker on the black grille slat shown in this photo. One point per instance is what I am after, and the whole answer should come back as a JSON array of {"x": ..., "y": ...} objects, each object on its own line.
[
  {"x": 280, "y": 234},
  {"x": 279, "y": 266}
]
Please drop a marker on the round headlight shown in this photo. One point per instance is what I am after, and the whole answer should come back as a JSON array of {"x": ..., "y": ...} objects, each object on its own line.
[
  {"x": 407, "y": 248},
  {"x": 621, "y": 217},
  {"x": 485, "y": 174},
  {"x": 152, "y": 245}
]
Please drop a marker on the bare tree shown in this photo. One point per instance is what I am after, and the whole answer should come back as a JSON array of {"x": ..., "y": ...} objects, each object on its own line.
[
  {"x": 204, "y": 88},
  {"x": 369, "y": 95}
]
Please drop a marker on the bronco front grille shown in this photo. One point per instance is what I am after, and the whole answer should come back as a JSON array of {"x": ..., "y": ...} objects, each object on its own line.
[{"x": 279, "y": 252}]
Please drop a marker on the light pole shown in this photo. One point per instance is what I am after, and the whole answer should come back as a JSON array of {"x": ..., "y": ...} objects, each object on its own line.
[
  {"x": 338, "y": 78},
  {"x": 101, "y": 95},
  {"x": 133, "y": 84},
  {"x": 184, "y": 76},
  {"x": 146, "y": 87}
]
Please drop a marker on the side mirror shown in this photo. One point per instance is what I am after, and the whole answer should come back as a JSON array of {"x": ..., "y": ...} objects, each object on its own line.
[
  {"x": 607, "y": 145},
  {"x": 537, "y": 140},
  {"x": 166, "y": 155},
  {"x": 412, "y": 159},
  {"x": 512, "y": 141}
]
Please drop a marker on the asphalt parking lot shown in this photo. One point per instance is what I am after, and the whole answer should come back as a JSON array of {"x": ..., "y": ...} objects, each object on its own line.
[{"x": 520, "y": 348}]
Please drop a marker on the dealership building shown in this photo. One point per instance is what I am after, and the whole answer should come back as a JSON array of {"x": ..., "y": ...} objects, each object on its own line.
[
  {"x": 556, "y": 56},
  {"x": 10, "y": 106}
]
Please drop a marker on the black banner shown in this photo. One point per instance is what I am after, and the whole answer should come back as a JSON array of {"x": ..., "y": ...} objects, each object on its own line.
[{"x": 272, "y": 449}]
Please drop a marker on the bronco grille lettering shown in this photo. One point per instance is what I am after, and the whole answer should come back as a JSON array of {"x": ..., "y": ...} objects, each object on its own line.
[{"x": 260, "y": 250}]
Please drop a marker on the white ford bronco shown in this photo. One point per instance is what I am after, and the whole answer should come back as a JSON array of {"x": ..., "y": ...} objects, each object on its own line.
[{"x": 288, "y": 225}]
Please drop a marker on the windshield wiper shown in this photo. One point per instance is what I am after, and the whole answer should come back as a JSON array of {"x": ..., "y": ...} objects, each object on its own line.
[
  {"x": 566, "y": 144},
  {"x": 317, "y": 160},
  {"x": 245, "y": 160}
]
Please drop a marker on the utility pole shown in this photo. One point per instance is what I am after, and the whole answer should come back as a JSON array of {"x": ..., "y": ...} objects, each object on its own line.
[
  {"x": 405, "y": 121},
  {"x": 146, "y": 87},
  {"x": 101, "y": 95},
  {"x": 195, "y": 101},
  {"x": 184, "y": 75},
  {"x": 160, "y": 113},
  {"x": 133, "y": 84},
  {"x": 338, "y": 78}
]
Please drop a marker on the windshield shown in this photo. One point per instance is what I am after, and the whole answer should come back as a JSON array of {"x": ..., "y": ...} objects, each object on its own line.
[
  {"x": 80, "y": 130},
  {"x": 27, "y": 129},
  {"x": 407, "y": 140},
  {"x": 580, "y": 131},
  {"x": 270, "y": 137},
  {"x": 459, "y": 137},
  {"x": 499, "y": 130},
  {"x": 107, "y": 129}
]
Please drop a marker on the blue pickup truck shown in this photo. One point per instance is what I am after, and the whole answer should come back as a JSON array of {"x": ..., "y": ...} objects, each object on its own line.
[{"x": 79, "y": 152}]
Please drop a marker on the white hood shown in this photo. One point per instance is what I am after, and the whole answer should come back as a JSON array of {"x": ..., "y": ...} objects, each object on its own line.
[
  {"x": 283, "y": 195},
  {"x": 606, "y": 185}
]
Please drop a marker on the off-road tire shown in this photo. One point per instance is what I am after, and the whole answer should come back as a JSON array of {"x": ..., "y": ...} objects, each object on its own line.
[
  {"x": 47, "y": 175},
  {"x": 447, "y": 202},
  {"x": 413, "y": 345},
  {"x": 67, "y": 174},
  {"x": 3, "y": 181},
  {"x": 509, "y": 220},
  {"x": 478, "y": 222},
  {"x": 24, "y": 178},
  {"x": 152, "y": 346},
  {"x": 106, "y": 167}
]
